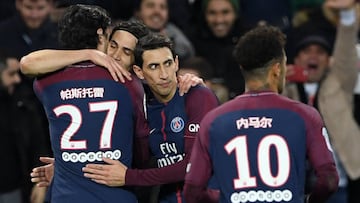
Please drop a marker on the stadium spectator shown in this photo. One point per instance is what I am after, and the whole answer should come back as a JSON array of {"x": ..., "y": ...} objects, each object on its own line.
[
  {"x": 155, "y": 15},
  {"x": 23, "y": 139},
  {"x": 214, "y": 39}
]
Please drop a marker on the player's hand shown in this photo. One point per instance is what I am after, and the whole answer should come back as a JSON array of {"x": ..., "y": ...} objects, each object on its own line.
[
  {"x": 116, "y": 69},
  {"x": 110, "y": 174},
  {"x": 339, "y": 4},
  {"x": 296, "y": 73},
  {"x": 43, "y": 175},
  {"x": 188, "y": 80},
  {"x": 38, "y": 194}
]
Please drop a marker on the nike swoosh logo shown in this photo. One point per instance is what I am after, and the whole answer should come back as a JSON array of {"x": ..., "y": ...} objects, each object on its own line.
[{"x": 151, "y": 131}]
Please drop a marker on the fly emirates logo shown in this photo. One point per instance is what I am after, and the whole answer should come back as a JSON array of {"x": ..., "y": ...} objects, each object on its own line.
[{"x": 170, "y": 154}]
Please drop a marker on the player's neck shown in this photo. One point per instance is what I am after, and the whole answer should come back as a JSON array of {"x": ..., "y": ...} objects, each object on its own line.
[{"x": 259, "y": 86}]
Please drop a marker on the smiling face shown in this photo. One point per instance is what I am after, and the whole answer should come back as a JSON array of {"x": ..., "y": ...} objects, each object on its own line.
[
  {"x": 159, "y": 70},
  {"x": 154, "y": 13},
  {"x": 121, "y": 47},
  {"x": 34, "y": 12},
  {"x": 220, "y": 17},
  {"x": 315, "y": 59}
]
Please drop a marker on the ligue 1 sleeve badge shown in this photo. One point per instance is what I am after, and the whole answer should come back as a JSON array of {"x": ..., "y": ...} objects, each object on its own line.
[{"x": 177, "y": 124}]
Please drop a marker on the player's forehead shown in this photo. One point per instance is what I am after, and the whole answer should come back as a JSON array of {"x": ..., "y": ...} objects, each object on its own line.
[
  {"x": 124, "y": 38},
  {"x": 157, "y": 56}
]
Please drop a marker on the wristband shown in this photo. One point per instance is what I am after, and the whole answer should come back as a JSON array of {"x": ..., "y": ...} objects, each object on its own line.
[{"x": 347, "y": 17}]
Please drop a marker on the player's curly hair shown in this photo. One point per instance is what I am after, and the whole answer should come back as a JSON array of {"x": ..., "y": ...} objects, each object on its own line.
[
  {"x": 259, "y": 47},
  {"x": 79, "y": 24}
]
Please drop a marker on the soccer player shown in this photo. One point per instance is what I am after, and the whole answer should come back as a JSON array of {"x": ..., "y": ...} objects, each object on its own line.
[
  {"x": 173, "y": 120},
  {"x": 83, "y": 105},
  {"x": 121, "y": 47},
  {"x": 256, "y": 145}
]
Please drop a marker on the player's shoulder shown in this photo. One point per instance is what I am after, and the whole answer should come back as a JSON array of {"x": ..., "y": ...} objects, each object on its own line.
[
  {"x": 135, "y": 86},
  {"x": 199, "y": 94},
  {"x": 85, "y": 70},
  {"x": 304, "y": 110},
  {"x": 199, "y": 91}
]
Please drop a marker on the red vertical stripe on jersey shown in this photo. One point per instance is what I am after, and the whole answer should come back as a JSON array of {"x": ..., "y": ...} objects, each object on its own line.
[
  {"x": 163, "y": 117},
  {"x": 178, "y": 194}
]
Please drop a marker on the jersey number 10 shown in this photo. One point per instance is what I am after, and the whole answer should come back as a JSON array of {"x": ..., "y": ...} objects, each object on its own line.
[{"x": 244, "y": 179}]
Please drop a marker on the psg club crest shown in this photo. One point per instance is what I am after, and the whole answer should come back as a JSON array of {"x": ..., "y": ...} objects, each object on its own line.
[{"x": 177, "y": 124}]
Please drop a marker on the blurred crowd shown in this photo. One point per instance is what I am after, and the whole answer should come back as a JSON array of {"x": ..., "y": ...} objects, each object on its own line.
[{"x": 204, "y": 33}]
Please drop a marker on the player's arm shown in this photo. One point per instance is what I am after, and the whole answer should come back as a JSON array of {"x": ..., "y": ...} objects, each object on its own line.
[
  {"x": 199, "y": 171},
  {"x": 344, "y": 57},
  {"x": 176, "y": 172},
  {"x": 321, "y": 159},
  {"x": 47, "y": 60},
  {"x": 156, "y": 176}
]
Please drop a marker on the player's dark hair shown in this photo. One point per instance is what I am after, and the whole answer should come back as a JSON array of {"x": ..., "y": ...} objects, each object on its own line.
[
  {"x": 79, "y": 24},
  {"x": 150, "y": 42},
  {"x": 259, "y": 47},
  {"x": 136, "y": 28}
]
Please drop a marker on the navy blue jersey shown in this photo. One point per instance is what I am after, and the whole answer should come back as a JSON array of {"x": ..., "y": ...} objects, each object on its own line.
[
  {"x": 173, "y": 127},
  {"x": 167, "y": 126},
  {"x": 256, "y": 147},
  {"x": 90, "y": 116}
]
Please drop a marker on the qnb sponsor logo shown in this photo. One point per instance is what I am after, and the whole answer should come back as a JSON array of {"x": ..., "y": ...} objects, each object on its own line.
[
  {"x": 90, "y": 156},
  {"x": 261, "y": 196},
  {"x": 194, "y": 127}
]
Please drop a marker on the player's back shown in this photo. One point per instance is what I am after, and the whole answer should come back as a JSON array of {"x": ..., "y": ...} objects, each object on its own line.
[
  {"x": 90, "y": 116},
  {"x": 258, "y": 146}
]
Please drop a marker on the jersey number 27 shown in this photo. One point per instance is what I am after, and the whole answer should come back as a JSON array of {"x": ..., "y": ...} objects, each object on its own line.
[{"x": 76, "y": 121}]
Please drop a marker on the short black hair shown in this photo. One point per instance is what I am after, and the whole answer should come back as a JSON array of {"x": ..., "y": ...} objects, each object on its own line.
[
  {"x": 79, "y": 24},
  {"x": 260, "y": 46},
  {"x": 150, "y": 42},
  {"x": 136, "y": 28}
]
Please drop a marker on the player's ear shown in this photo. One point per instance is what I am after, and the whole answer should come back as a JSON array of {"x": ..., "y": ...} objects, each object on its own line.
[
  {"x": 276, "y": 70},
  {"x": 176, "y": 63},
  {"x": 101, "y": 35},
  {"x": 100, "y": 31},
  {"x": 138, "y": 71}
]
